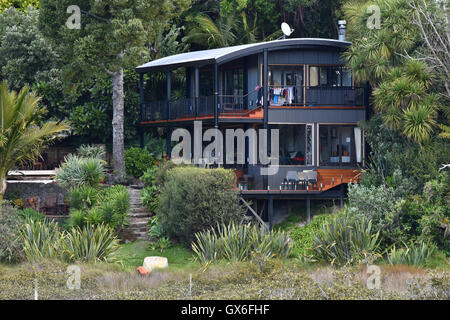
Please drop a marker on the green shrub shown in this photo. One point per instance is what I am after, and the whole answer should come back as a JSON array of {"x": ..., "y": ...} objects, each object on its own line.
[
  {"x": 153, "y": 179},
  {"x": 11, "y": 243},
  {"x": 137, "y": 161},
  {"x": 240, "y": 242},
  {"x": 302, "y": 237},
  {"x": 390, "y": 214},
  {"x": 415, "y": 254},
  {"x": 83, "y": 197},
  {"x": 42, "y": 240},
  {"x": 109, "y": 206},
  {"x": 91, "y": 243},
  {"x": 346, "y": 240},
  {"x": 434, "y": 211},
  {"x": 77, "y": 172},
  {"x": 194, "y": 199}
]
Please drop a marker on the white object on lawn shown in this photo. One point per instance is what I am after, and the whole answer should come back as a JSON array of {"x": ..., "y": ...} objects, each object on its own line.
[{"x": 155, "y": 262}]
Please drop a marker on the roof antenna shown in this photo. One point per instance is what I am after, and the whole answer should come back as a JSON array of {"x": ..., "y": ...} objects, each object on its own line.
[{"x": 287, "y": 31}]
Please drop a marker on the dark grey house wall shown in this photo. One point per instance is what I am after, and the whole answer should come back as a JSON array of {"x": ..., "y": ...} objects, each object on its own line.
[
  {"x": 286, "y": 115},
  {"x": 306, "y": 56}
]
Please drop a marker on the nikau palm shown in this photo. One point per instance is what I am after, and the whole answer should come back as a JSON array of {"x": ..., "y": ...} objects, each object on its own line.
[{"x": 22, "y": 136}]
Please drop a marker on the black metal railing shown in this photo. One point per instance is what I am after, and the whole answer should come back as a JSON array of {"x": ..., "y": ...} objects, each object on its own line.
[
  {"x": 316, "y": 96},
  {"x": 240, "y": 105}
]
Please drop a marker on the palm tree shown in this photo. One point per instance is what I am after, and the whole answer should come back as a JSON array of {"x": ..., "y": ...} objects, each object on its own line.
[
  {"x": 205, "y": 32},
  {"x": 22, "y": 135}
]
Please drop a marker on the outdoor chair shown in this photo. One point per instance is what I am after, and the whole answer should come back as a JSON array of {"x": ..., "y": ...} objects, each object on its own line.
[
  {"x": 308, "y": 177},
  {"x": 291, "y": 181}
]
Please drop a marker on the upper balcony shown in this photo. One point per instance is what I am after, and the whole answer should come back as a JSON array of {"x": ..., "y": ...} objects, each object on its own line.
[
  {"x": 250, "y": 105},
  {"x": 243, "y": 83}
]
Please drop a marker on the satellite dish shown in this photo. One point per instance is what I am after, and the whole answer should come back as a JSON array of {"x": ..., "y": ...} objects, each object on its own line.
[{"x": 287, "y": 31}]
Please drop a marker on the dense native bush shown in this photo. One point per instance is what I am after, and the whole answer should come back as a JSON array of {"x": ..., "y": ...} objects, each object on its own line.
[
  {"x": 240, "y": 242},
  {"x": 415, "y": 254},
  {"x": 137, "y": 161},
  {"x": 91, "y": 243},
  {"x": 77, "y": 171},
  {"x": 393, "y": 155},
  {"x": 109, "y": 206},
  {"x": 386, "y": 209},
  {"x": 433, "y": 208},
  {"x": 194, "y": 199},
  {"x": 406, "y": 218},
  {"x": 11, "y": 243},
  {"x": 346, "y": 240}
]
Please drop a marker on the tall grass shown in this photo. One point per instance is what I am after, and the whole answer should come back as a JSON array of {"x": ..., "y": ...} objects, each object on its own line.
[
  {"x": 239, "y": 242},
  {"x": 345, "y": 240},
  {"x": 91, "y": 243},
  {"x": 42, "y": 239},
  {"x": 414, "y": 255}
]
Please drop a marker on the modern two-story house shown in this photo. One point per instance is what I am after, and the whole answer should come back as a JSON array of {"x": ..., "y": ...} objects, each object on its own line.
[{"x": 299, "y": 86}]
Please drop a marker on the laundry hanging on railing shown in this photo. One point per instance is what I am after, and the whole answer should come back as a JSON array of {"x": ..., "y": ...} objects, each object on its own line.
[{"x": 282, "y": 95}]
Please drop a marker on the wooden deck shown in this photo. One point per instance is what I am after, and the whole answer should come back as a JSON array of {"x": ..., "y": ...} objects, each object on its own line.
[{"x": 327, "y": 179}]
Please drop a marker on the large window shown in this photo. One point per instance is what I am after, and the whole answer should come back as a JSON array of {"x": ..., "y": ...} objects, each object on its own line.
[
  {"x": 340, "y": 145},
  {"x": 330, "y": 76},
  {"x": 295, "y": 144}
]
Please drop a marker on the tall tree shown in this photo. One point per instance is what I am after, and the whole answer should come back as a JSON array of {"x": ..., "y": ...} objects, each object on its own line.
[
  {"x": 26, "y": 57},
  {"x": 22, "y": 135},
  {"x": 405, "y": 91},
  {"x": 114, "y": 35}
]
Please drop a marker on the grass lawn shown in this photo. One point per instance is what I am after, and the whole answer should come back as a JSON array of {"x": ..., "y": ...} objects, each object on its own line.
[{"x": 132, "y": 255}]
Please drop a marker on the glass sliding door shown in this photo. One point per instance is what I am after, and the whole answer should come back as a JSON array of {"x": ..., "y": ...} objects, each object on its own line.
[
  {"x": 296, "y": 144},
  {"x": 338, "y": 146}
]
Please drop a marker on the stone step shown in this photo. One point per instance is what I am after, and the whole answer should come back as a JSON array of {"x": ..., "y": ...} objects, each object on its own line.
[
  {"x": 137, "y": 222},
  {"x": 140, "y": 215},
  {"x": 138, "y": 210}
]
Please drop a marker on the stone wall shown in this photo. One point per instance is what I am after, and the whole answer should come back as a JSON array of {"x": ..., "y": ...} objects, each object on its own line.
[{"x": 44, "y": 197}]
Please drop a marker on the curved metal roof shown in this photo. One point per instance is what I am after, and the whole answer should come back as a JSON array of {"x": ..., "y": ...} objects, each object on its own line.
[{"x": 222, "y": 55}]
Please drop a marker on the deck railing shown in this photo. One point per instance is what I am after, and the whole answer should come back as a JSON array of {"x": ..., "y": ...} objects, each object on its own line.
[{"x": 240, "y": 105}]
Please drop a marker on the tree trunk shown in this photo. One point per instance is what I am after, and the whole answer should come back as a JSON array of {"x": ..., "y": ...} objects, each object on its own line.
[
  {"x": 3, "y": 185},
  {"x": 117, "y": 124}
]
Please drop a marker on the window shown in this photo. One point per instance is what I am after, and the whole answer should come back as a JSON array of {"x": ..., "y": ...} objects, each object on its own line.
[
  {"x": 295, "y": 144},
  {"x": 339, "y": 145},
  {"x": 234, "y": 82},
  {"x": 206, "y": 85},
  {"x": 286, "y": 85},
  {"x": 330, "y": 76}
]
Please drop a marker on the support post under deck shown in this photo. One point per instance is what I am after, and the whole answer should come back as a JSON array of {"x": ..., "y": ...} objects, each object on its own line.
[
  {"x": 308, "y": 209},
  {"x": 270, "y": 213}
]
